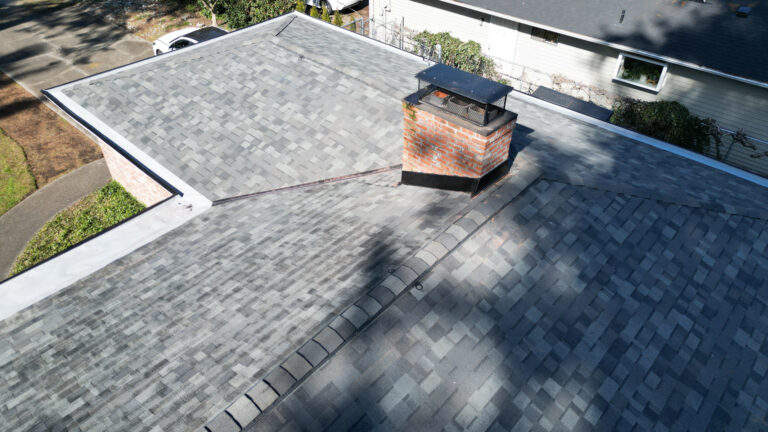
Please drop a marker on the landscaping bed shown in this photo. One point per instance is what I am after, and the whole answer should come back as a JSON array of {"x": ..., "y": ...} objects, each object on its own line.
[
  {"x": 93, "y": 214},
  {"x": 16, "y": 180}
]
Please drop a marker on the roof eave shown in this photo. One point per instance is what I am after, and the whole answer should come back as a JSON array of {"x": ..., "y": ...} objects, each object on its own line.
[{"x": 621, "y": 47}]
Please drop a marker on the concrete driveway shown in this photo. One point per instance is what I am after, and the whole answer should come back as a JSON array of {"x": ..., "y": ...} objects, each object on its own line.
[{"x": 46, "y": 43}]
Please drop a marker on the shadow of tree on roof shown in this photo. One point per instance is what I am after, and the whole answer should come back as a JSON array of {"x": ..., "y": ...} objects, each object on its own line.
[
  {"x": 708, "y": 34},
  {"x": 557, "y": 314}
]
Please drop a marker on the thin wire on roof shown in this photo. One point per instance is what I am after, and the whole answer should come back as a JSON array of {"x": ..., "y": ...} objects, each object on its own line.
[{"x": 285, "y": 26}]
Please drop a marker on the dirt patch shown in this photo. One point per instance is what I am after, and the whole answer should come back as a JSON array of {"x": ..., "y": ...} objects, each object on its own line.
[{"x": 53, "y": 146}]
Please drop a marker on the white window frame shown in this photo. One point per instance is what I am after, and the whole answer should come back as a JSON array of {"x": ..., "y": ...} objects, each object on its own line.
[{"x": 662, "y": 77}]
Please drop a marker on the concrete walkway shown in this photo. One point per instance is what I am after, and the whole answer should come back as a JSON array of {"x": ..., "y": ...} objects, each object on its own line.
[
  {"x": 45, "y": 44},
  {"x": 20, "y": 223}
]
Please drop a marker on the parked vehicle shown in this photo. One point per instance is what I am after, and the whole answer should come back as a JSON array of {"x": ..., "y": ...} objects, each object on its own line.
[
  {"x": 184, "y": 38},
  {"x": 334, "y": 5}
]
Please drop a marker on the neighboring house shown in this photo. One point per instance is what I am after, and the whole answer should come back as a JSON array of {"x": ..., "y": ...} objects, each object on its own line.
[
  {"x": 285, "y": 278},
  {"x": 701, "y": 54}
]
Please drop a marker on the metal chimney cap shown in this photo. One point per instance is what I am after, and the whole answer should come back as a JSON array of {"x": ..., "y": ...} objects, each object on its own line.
[{"x": 463, "y": 83}]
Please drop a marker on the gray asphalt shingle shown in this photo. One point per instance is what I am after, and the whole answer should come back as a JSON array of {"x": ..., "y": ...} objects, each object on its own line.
[
  {"x": 609, "y": 347},
  {"x": 255, "y": 111},
  {"x": 185, "y": 323},
  {"x": 624, "y": 288}
]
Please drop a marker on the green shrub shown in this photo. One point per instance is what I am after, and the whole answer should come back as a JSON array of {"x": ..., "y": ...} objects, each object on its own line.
[
  {"x": 337, "y": 20},
  {"x": 301, "y": 6},
  {"x": 313, "y": 12},
  {"x": 457, "y": 53},
  {"x": 241, "y": 13},
  {"x": 326, "y": 14},
  {"x": 91, "y": 215},
  {"x": 635, "y": 69},
  {"x": 353, "y": 26},
  {"x": 667, "y": 121}
]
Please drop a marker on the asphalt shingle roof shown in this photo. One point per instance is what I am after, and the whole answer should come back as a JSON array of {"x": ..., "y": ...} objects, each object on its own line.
[
  {"x": 706, "y": 34},
  {"x": 166, "y": 336},
  {"x": 573, "y": 309},
  {"x": 302, "y": 114},
  {"x": 602, "y": 284}
]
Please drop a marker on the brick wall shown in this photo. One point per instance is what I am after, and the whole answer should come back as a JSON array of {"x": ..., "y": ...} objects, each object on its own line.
[
  {"x": 133, "y": 179},
  {"x": 434, "y": 145}
]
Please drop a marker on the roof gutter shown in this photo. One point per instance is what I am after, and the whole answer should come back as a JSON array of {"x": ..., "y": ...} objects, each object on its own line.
[
  {"x": 161, "y": 181},
  {"x": 608, "y": 44}
]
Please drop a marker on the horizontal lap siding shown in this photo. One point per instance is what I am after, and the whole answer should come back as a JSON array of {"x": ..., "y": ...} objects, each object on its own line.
[
  {"x": 735, "y": 105},
  {"x": 574, "y": 59},
  {"x": 465, "y": 25}
]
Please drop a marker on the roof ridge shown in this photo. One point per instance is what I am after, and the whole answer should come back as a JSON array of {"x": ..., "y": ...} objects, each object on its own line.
[{"x": 298, "y": 365}]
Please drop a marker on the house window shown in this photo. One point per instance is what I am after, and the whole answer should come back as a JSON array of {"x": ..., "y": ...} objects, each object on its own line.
[
  {"x": 641, "y": 72},
  {"x": 544, "y": 35}
]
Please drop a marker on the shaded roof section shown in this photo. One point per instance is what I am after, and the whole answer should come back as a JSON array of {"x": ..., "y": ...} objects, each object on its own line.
[
  {"x": 174, "y": 332},
  {"x": 464, "y": 83},
  {"x": 572, "y": 309},
  {"x": 252, "y": 111},
  {"x": 166, "y": 336},
  {"x": 706, "y": 34}
]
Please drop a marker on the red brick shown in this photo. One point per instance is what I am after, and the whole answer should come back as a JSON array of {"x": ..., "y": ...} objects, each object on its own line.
[
  {"x": 433, "y": 145},
  {"x": 135, "y": 181}
]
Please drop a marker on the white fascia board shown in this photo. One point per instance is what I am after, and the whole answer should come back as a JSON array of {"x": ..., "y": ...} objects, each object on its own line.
[
  {"x": 61, "y": 271},
  {"x": 644, "y": 139},
  {"x": 190, "y": 194},
  {"x": 608, "y": 44}
]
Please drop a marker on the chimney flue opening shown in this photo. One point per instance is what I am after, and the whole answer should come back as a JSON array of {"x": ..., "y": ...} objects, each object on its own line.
[
  {"x": 477, "y": 112},
  {"x": 468, "y": 96}
]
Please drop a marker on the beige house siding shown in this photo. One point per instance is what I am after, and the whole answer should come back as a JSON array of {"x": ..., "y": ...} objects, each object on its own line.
[
  {"x": 461, "y": 23},
  {"x": 735, "y": 105}
]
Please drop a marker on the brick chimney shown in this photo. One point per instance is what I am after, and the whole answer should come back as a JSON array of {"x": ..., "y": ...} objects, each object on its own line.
[{"x": 456, "y": 131}]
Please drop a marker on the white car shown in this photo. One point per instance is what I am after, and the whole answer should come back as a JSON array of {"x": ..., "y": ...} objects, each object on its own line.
[
  {"x": 334, "y": 5},
  {"x": 184, "y": 38}
]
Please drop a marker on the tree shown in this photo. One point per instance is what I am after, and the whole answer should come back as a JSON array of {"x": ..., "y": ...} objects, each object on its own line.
[
  {"x": 300, "y": 6},
  {"x": 209, "y": 6},
  {"x": 454, "y": 52},
  {"x": 313, "y": 12},
  {"x": 241, "y": 13},
  {"x": 337, "y": 19},
  {"x": 326, "y": 15}
]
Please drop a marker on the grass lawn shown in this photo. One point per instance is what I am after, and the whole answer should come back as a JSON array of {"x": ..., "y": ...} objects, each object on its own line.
[
  {"x": 16, "y": 179},
  {"x": 91, "y": 215}
]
